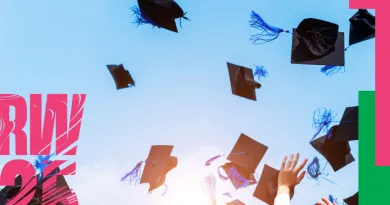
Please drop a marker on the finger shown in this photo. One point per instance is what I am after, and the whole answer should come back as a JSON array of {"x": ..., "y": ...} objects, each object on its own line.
[
  {"x": 289, "y": 161},
  {"x": 327, "y": 202},
  {"x": 295, "y": 161},
  {"x": 301, "y": 166},
  {"x": 283, "y": 163},
  {"x": 318, "y": 203},
  {"x": 301, "y": 176}
]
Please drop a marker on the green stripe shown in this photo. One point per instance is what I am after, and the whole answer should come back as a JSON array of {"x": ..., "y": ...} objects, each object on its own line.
[{"x": 374, "y": 182}]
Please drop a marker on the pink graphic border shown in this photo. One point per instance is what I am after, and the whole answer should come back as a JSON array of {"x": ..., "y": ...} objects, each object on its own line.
[{"x": 382, "y": 74}]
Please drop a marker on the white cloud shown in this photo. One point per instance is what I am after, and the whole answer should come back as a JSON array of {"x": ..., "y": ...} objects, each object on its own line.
[{"x": 99, "y": 183}]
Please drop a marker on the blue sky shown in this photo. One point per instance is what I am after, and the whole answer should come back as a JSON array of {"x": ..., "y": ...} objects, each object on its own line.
[{"x": 183, "y": 95}]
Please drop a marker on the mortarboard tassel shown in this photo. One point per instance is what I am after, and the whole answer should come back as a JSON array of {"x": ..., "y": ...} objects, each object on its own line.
[
  {"x": 184, "y": 17},
  {"x": 330, "y": 70},
  {"x": 139, "y": 18},
  {"x": 133, "y": 175},
  {"x": 237, "y": 179},
  {"x": 329, "y": 134},
  {"x": 332, "y": 199},
  {"x": 166, "y": 189},
  {"x": 321, "y": 121},
  {"x": 260, "y": 72},
  {"x": 210, "y": 185},
  {"x": 268, "y": 33},
  {"x": 227, "y": 194},
  {"x": 313, "y": 169},
  {"x": 40, "y": 163},
  {"x": 208, "y": 162},
  {"x": 223, "y": 178}
]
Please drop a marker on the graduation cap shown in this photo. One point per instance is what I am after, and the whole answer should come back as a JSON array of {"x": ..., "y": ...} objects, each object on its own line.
[
  {"x": 242, "y": 81},
  {"x": 8, "y": 192},
  {"x": 267, "y": 187},
  {"x": 317, "y": 42},
  {"x": 157, "y": 166},
  {"x": 244, "y": 159},
  {"x": 314, "y": 41},
  {"x": 362, "y": 27},
  {"x": 247, "y": 154},
  {"x": 235, "y": 202},
  {"x": 121, "y": 76},
  {"x": 352, "y": 200},
  {"x": 160, "y": 13},
  {"x": 238, "y": 176},
  {"x": 336, "y": 153},
  {"x": 347, "y": 130}
]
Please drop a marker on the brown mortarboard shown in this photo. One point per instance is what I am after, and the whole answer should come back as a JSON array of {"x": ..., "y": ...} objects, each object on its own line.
[
  {"x": 242, "y": 81},
  {"x": 235, "y": 202},
  {"x": 238, "y": 176},
  {"x": 121, "y": 76},
  {"x": 267, "y": 187},
  {"x": 157, "y": 166},
  {"x": 247, "y": 154}
]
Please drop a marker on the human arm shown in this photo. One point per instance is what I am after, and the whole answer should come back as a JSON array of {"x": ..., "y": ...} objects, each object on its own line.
[{"x": 288, "y": 179}]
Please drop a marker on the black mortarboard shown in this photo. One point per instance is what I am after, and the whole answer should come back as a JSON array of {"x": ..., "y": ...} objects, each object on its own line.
[
  {"x": 162, "y": 13},
  {"x": 267, "y": 187},
  {"x": 352, "y": 200},
  {"x": 9, "y": 192},
  {"x": 238, "y": 176},
  {"x": 121, "y": 76},
  {"x": 362, "y": 27},
  {"x": 235, "y": 202},
  {"x": 242, "y": 81},
  {"x": 336, "y": 153},
  {"x": 247, "y": 154},
  {"x": 347, "y": 130},
  {"x": 317, "y": 42},
  {"x": 158, "y": 164}
]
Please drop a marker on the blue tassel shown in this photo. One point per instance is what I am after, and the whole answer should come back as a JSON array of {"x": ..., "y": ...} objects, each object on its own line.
[
  {"x": 267, "y": 33},
  {"x": 139, "y": 18},
  {"x": 237, "y": 179},
  {"x": 209, "y": 185},
  {"x": 134, "y": 175},
  {"x": 184, "y": 17},
  {"x": 260, "y": 72},
  {"x": 208, "y": 163},
  {"x": 166, "y": 189},
  {"x": 330, "y": 70},
  {"x": 40, "y": 163},
  {"x": 332, "y": 199},
  {"x": 313, "y": 170},
  {"x": 223, "y": 178},
  {"x": 227, "y": 194},
  {"x": 329, "y": 134},
  {"x": 322, "y": 121}
]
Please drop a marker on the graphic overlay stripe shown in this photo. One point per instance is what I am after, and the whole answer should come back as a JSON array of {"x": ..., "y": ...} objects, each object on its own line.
[
  {"x": 382, "y": 84},
  {"x": 374, "y": 180}
]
